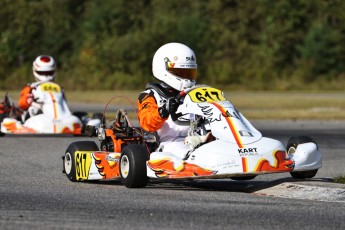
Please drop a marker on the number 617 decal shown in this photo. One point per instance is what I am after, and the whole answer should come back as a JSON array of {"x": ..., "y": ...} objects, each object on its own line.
[{"x": 206, "y": 95}]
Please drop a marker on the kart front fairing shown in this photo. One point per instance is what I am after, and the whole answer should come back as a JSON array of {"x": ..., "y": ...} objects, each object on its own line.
[
  {"x": 238, "y": 149},
  {"x": 225, "y": 121}
]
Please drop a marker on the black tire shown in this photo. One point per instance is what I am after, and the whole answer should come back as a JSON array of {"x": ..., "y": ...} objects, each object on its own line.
[
  {"x": 80, "y": 115},
  {"x": 69, "y": 167},
  {"x": 133, "y": 166},
  {"x": 2, "y": 117},
  {"x": 243, "y": 178},
  {"x": 97, "y": 116},
  {"x": 1, "y": 134},
  {"x": 291, "y": 147}
]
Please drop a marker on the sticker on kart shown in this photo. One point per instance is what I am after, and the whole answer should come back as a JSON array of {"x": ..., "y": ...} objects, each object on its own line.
[
  {"x": 99, "y": 165},
  {"x": 83, "y": 162},
  {"x": 206, "y": 95}
]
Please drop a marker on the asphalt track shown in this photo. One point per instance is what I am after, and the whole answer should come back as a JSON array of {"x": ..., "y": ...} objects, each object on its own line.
[{"x": 34, "y": 194}]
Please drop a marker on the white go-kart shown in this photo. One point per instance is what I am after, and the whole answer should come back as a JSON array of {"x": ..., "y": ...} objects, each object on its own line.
[
  {"x": 231, "y": 148},
  {"x": 48, "y": 114}
]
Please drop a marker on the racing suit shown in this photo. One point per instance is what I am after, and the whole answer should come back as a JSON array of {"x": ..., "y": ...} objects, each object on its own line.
[
  {"x": 24, "y": 101},
  {"x": 27, "y": 97},
  {"x": 171, "y": 135}
]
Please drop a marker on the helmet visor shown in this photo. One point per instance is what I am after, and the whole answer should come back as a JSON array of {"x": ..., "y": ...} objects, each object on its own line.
[
  {"x": 45, "y": 73},
  {"x": 189, "y": 74}
]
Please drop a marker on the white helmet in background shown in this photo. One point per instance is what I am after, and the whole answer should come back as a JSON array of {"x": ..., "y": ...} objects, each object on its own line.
[
  {"x": 44, "y": 68},
  {"x": 175, "y": 65}
]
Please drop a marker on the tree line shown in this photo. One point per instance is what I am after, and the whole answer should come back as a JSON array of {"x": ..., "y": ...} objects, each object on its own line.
[{"x": 239, "y": 44}]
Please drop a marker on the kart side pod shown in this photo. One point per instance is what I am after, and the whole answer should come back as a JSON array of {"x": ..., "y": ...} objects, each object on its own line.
[{"x": 84, "y": 162}]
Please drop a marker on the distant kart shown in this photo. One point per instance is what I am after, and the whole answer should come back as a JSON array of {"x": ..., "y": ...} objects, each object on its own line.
[
  {"x": 48, "y": 114},
  {"x": 236, "y": 150}
]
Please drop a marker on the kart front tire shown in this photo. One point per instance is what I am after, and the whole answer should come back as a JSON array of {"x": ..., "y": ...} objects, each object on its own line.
[
  {"x": 69, "y": 157},
  {"x": 291, "y": 148},
  {"x": 133, "y": 166}
]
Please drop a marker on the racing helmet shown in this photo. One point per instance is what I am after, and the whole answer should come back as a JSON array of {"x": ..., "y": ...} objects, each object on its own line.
[
  {"x": 175, "y": 65},
  {"x": 44, "y": 68}
]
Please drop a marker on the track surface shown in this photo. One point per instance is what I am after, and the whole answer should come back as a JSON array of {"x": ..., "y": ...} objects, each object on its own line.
[{"x": 34, "y": 194}]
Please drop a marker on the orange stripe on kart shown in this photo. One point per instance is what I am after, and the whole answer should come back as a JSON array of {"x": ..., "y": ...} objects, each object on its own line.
[
  {"x": 231, "y": 125},
  {"x": 55, "y": 110},
  {"x": 244, "y": 164}
]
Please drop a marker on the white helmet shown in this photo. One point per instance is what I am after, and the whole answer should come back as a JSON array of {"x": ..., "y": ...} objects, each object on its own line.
[
  {"x": 44, "y": 68},
  {"x": 175, "y": 65}
]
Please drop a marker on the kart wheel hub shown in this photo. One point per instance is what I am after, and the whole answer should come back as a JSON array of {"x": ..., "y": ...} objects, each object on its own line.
[
  {"x": 68, "y": 163},
  {"x": 124, "y": 166}
]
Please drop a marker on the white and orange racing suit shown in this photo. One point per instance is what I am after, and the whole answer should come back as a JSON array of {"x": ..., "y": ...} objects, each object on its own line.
[
  {"x": 27, "y": 97},
  {"x": 171, "y": 135}
]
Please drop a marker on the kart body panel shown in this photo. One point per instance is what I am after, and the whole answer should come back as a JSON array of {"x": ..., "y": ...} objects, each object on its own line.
[{"x": 96, "y": 165}]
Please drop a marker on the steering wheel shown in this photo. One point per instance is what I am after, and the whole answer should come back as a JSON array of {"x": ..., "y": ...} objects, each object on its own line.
[{"x": 182, "y": 94}]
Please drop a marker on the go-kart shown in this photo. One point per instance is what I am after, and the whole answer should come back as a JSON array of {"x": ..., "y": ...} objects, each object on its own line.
[
  {"x": 47, "y": 114},
  {"x": 236, "y": 150}
]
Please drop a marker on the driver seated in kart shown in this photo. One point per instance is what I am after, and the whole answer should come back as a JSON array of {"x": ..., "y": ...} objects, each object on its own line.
[
  {"x": 44, "y": 70},
  {"x": 174, "y": 65}
]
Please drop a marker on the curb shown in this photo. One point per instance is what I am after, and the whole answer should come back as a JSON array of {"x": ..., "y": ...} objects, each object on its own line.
[{"x": 319, "y": 190}]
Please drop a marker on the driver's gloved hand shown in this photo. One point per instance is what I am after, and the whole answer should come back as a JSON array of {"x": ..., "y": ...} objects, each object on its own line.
[
  {"x": 29, "y": 98},
  {"x": 169, "y": 107}
]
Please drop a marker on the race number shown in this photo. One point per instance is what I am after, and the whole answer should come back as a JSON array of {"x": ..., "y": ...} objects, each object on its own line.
[
  {"x": 206, "y": 95},
  {"x": 83, "y": 162},
  {"x": 50, "y": 87}
]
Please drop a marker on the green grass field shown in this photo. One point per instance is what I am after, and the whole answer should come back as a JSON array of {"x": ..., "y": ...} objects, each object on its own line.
[{"x": 254, "y": 105}]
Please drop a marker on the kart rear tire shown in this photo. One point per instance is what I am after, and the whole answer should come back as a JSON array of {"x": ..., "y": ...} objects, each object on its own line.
[
  {"x": 291, "y": 147},
  {"x": 69, "y": 157},
  {"x": 133, "y": 166}
]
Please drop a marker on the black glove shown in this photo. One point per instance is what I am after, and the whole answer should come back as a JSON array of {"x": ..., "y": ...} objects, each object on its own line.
[{"x": 169, "y": 107}]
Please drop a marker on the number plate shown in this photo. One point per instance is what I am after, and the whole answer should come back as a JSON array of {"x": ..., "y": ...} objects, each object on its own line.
[
  {"x": 50, "y": 87},
  {"x": 83, "y": 162},
  {"x": 206, "y": 95}
]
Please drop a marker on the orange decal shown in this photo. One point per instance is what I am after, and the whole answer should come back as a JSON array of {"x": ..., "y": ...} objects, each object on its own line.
[
  {"x": 108, "y": 166},
  {"x": 12, "y": 128},
  {"x": 165, "y": 168},
  {"x": 231, "y": 125},
  {"x": 55, "y": 110},
  {"x": 76, "y": 129},
  {"x": 281, "y": 163},
  {"x": 244, "y": 164}
]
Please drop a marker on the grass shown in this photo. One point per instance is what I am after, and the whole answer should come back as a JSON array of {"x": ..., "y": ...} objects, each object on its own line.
[
  {"x": 254, "y": 105},
  {"x": 340, "y": 179}
]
